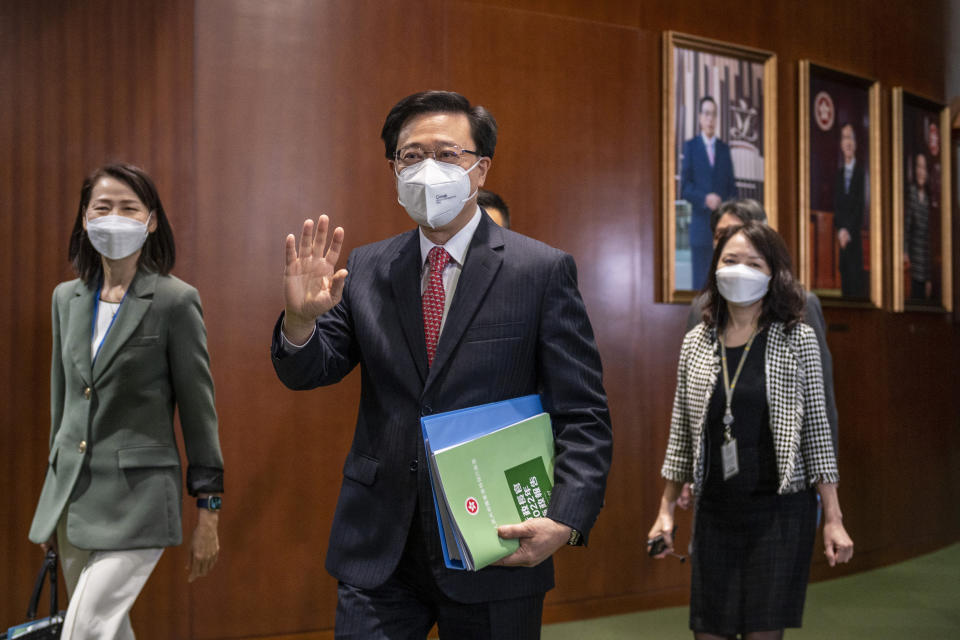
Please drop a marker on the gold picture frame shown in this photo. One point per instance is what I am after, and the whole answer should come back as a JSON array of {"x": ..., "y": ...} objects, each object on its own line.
[
  {"x": 921, "y": 128},
  {"x": 839, "y": 114},
  {"x": 742, "y": 83}
]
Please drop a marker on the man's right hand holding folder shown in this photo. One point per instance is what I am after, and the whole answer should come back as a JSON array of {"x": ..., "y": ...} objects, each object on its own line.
[{"x": 539, "y": 539}]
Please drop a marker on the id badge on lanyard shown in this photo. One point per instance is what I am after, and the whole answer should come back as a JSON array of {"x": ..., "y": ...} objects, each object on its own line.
[
  {"x": 728, "y": 450},
  {"x": 728, "y": 455}
]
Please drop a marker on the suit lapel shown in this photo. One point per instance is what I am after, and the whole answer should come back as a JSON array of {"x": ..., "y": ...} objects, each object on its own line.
[
  {"x": 481, "y": 265},
  {"x": 131, "y": 312},
  {"x": 405, "y": 282},
  {"x": 79, "y": 329},
  {"x": 701, "y": 150}
]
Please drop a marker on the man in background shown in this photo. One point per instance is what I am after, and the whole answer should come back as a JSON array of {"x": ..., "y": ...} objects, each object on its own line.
[{"x": 495, "y": 207}]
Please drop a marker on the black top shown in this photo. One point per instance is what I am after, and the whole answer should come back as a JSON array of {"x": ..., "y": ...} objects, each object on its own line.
[{"x": 751, "y": 429}]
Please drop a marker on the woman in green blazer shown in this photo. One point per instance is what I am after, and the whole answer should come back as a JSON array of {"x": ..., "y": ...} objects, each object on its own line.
[{"x": 129, "y": 347}]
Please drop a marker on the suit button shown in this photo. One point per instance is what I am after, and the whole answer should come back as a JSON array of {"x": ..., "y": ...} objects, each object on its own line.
[
  {"x": 86, "y": 393},
  {"x": 413, "y": 465},
  {"x": 427, "y": 410},
  {"x": 82, "y": 447}
]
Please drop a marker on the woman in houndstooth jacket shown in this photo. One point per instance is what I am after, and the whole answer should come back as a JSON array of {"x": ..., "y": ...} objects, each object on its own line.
[{"x": 749, "y": 429}]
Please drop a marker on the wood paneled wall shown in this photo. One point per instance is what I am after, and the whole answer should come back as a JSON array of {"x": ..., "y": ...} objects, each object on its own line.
[{"x": 254, "y": 115}]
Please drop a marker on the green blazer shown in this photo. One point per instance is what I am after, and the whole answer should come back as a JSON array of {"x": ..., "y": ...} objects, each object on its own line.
[{"x": 114, "y": 467}]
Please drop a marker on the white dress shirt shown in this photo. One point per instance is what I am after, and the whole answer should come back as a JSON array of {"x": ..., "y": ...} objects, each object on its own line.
[
  {"x": 710, "y": 144},
  {"x": 848, "y": 174}
]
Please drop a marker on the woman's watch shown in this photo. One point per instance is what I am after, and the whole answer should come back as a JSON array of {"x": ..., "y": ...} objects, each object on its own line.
[
  {"x": 574, "y": 539},
  {"x": 213, "y": 503}
]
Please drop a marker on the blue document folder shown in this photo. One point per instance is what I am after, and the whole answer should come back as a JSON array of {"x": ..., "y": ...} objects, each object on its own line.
[{"x": 448, "y": 429}]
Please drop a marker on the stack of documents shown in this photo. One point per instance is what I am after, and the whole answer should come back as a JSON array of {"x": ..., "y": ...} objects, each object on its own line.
[{"x": 490, "y": 465}]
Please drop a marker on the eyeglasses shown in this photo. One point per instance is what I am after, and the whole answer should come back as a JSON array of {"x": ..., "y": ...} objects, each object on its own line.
[{"x": 413, "y": 153}]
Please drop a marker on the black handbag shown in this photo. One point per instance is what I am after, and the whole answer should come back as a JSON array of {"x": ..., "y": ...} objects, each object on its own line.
[{"x": 45, "y": 628}]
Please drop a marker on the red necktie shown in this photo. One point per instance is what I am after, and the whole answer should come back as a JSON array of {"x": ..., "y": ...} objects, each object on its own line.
[{"x": 433, "y": 300}]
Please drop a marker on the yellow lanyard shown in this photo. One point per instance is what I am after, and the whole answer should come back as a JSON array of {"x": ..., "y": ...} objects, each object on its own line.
[{"x": 729, "y": 385}]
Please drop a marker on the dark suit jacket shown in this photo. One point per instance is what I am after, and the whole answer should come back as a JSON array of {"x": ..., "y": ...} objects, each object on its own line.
[
  {"x": 813, "y": 316},
  {"x": 517, "y": 325},
  {"x": 114, "y": 466},
  {"x": 848, "y": 205},
  {"x": 848, "y": 214},
  {"x": 698, "y": 178}
]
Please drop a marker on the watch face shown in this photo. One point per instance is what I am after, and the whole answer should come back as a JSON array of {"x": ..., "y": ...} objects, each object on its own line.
[{"x": 214, "y": 503}]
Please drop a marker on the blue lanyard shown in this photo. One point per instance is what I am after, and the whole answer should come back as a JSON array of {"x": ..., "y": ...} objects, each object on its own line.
[{"x": 96, "y": 312}]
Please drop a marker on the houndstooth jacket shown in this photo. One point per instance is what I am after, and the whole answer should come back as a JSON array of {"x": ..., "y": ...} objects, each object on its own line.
[{"x": 798, "y": 417}]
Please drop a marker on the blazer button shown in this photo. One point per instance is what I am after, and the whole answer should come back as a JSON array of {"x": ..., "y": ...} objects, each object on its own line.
[
  {"x": 86, "y": 393},
  {"x": 82, "y": 447},
  {"x": 413, "y": 465}
]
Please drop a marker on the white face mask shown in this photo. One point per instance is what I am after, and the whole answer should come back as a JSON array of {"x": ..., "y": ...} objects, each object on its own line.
[
  {"x": 742, "y": 285},
  {"x": 117, "y": 237},
  {"x": 432, "y": 192}
]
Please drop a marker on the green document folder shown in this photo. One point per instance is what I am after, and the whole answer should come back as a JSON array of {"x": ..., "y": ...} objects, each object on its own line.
[{"x": 504, "y": 477}]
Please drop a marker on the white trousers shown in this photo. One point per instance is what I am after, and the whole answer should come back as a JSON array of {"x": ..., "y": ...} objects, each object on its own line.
[{"x": 102, "y": 587}]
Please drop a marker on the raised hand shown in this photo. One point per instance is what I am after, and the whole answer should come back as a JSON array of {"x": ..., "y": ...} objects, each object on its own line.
[{"x": 311, "y": 283}]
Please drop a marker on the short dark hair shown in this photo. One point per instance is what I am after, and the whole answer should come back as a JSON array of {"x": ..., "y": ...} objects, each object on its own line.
[
  {"x": 158, "y": 253},
  {"x": 483, "y": 127},
  {"x": 746, "y": 209},
  {"x": 705, "y": 99},
  {"x": 486, "y": 198},
  {"x": 785, "y": 299}
]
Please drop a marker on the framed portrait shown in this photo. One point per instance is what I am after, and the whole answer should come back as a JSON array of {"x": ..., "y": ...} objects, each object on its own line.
[
  {"x": 719, "y": 143},
  {"x": 839, "y": 218},
  {"x": 922, "y": 266}
]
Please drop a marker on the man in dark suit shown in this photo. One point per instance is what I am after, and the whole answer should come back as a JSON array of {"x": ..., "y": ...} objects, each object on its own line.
[
  {"x": 510, "y": 321},
  {"x": 848, "y": 205},
  {"x": 706, "y": 180}
]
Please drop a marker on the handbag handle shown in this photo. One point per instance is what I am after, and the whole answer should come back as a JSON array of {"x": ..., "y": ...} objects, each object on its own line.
[{"x": 49, "y": 567}]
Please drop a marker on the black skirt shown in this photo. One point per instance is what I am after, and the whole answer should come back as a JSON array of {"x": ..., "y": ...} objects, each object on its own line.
[{"x": 751, "y": 563}]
